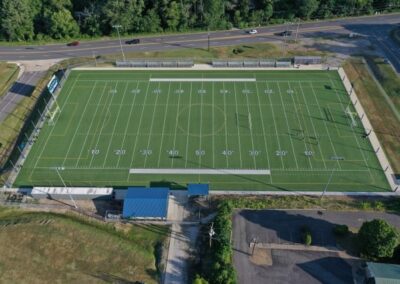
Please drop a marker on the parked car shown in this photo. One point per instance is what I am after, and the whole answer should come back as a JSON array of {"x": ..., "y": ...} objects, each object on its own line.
[
  {"x": 133, "y": 41},
  {"x": 74, "y": 43},
  {"x": 253, "y": 32}
]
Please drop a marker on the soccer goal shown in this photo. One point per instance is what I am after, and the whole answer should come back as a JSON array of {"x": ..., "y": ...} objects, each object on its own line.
[{"x": 351, "y": 115}]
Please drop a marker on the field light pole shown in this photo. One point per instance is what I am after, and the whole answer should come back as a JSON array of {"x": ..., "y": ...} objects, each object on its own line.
[
  {"x": 70, "y": 195},
  {"x": 117, "y": 27},
  {"x": 297, "y": 30},
  {"x": 327, "y": 184},
  {"x": 208, "y": 40}
]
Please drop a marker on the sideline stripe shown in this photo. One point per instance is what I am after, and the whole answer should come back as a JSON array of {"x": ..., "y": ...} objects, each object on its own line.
[
  {"x": 202, "y": 80},
  {"x": 200, "y": 171}
]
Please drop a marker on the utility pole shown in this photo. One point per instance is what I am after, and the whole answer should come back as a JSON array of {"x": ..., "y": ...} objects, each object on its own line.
[
  {"x": 208, "y": 42},
  {"x": 94, "y": 57},
  {"x": 254, "y": 245},
  {"x": 65, "y": 186},
  {"x": 211, "y": 233},
  {"x": 117, "y": 27},
  {"x": 297, "y": 30}
]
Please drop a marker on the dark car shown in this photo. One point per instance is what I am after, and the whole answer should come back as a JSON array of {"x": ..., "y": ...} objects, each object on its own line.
[
  {"x": 133, "y": 41},
  {"x": 74, "y": 43},
  {"x": 285, "y": 33}
]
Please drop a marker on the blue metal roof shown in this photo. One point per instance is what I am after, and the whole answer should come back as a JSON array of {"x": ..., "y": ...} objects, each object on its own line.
[
  {"x": 142, "y": 202},
  {"x": 197, "y": 189}
]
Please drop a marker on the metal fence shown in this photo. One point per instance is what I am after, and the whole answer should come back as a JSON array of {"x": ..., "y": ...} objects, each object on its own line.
[
  {"x": 307, "y": 60},
  {"x": 145, "y": 63},
  {"x": 249, "y": 63}
]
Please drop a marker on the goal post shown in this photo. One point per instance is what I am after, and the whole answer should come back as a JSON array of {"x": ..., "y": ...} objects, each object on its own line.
[
  {"x": 53, "y": 114},
  {"x": 351, "y": 115}
]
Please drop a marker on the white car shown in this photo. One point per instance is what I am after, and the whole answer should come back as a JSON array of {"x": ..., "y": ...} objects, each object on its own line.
[{"x": 253, "y": 32}]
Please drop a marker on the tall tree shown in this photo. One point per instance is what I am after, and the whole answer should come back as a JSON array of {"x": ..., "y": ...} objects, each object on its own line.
[
  {"x": 306, "y": 8},
  {"x": 127, "y": 13},
  {"x": 16, "y": 20},
  {"x": 57, "y": 20},
  {"x": 62, "y": 25}
]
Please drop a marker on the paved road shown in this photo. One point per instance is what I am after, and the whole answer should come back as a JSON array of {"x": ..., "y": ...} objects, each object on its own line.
[
  {"x": 370, "y": 26},
  {"x": 23, "y": 87}
]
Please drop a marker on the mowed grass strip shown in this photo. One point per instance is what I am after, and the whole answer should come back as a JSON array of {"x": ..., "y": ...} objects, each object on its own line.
[
  {"x": 48, "y": 248},
  {"x": 297, "y": 124},
  {"x": 384, "y": 122}
]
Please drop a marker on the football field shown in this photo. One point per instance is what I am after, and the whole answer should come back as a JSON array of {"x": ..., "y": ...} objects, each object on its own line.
[{"x": 237, "y": 130}]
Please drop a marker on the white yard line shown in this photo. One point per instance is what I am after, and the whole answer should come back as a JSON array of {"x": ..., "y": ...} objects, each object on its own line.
[
  {"x": 140, "y": 124},
  {"x": 197, "y": 171},
  {"x": 163, "y": 128},
  {"x": 326, "y": 127},
  {"x": 151, "y": 125},
  {"x": 250, "y": 128},
  {"x": 312, "y": 123},
  {"x": 226, "y": 126},
  {"x": 238, "y": 127},
  {"x": 263, "y": 127},
  {"x": 213, "y": 130},
  {"x": 288, "y": 127},
  {"x": 108, "y": 104},
  {"x": 273, "y": 119},
  {"x": 176, "y": 124},
  {"x": 298, "y": 119},
  {"x": 202, "y": 80},
  {"x": 115, "y": 123},
  {"x": 79, "y": 123},
  {"x": 90, "y": 127},
  {"x": 127, "y": 124},
  {"x": 201, "y": 125}
]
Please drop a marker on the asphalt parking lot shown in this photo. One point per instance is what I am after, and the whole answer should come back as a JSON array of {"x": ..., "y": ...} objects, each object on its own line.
[{"x": 281, "y": 227}]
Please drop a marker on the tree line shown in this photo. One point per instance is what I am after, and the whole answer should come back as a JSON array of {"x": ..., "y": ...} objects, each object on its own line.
[{"x": 23, "y": 20}]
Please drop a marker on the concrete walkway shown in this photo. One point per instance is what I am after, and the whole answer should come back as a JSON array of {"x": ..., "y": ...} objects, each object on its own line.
[{"x": 182, "y": 239}]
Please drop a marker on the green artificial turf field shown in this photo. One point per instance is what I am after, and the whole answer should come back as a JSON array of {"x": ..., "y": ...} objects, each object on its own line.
[{"x": 237, "y": 130}]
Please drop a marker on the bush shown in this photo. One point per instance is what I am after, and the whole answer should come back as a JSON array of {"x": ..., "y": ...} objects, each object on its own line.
[
  {"x": 341, "y": 230},
  {"x": 238, "y": 50},
  {"x": 306, "y": 235},
  {"x": 377, "y": 239},
  {"x": 307, "y": 239},
  {"x": 199, "y": 280}
]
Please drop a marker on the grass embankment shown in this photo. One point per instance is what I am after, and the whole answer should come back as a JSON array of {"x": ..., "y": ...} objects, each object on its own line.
[
  {"x": 203, "y": 55},
  {"x": 8, "y": 75},
  {"x": 10, "y": 127},
  {"x": 387, "y": 77},
  {"x": 382, "y": 118},
  {"x": 311, "y": 202},
  {"x": 56, "y": 248}
]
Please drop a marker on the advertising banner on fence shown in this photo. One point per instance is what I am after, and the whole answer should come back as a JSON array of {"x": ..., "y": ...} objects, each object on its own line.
[{"x": 53, "y": 84}]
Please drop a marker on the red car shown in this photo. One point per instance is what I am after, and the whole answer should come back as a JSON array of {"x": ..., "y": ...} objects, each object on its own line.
[{"x": 74, "y": 43}]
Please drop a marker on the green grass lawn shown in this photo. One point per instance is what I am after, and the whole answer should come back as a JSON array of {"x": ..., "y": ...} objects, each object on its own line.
[
  {"x": 387, "y": 127},
  {"x": 239, "y": 130},
  {"x": 44, "y": 248},
  {"x": 8, "y": 74}
]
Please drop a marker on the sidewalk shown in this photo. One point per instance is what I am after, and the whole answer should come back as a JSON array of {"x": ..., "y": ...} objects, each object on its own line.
[{"x": 182, "y": 239}]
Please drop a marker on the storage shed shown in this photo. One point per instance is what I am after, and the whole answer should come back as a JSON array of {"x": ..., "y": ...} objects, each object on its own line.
[{"x": 146, "y": 203}]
